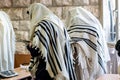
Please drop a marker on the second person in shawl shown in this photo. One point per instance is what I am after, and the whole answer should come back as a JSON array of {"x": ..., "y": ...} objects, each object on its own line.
[{"x": 88, "y": 42}]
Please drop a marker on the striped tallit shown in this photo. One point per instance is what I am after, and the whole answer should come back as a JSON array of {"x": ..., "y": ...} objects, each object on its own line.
[
  {"x": 85, "y": 30},
  {"x": 48, "y": 34}
]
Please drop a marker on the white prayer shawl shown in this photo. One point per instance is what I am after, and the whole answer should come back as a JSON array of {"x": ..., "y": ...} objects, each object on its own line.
[
  {"x": 86, "y": 30},
  {"x": 7, "y": 43},
  {"x": 80, "y": 61},
  {"x": 44, "y": 22},
  {"x": 39, "y": 12}
]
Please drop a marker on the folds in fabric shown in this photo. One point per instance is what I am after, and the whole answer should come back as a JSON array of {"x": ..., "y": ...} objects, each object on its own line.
[
  {"x": 52, "y": 44},
  {"x": 85, "y": 30},
  {"x": 7, "y": 43}
]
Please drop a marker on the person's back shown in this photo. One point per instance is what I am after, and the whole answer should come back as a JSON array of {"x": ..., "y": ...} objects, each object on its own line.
[
  {"x": 87, "y": 41},
  {"x": 48, "y": 46},
  {"x": 7, "y": 43}
]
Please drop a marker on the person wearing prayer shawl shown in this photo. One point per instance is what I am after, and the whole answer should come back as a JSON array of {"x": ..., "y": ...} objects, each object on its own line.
[
  {"x": 89, "y": 48},
  {"x": 7, "y": 43},
  {"x": 49, "y": 46}
]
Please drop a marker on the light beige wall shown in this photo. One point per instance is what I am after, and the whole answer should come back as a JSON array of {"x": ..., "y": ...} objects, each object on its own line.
[{"x": 16, "y": 9}]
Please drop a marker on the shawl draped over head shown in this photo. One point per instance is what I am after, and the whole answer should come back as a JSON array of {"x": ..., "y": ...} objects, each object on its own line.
[
  {"x": 39, "y": 12},
  {"x": 49, "y": 36},
  {"x": 7, "y": 43},
  {"x": 86, "y": 30}
]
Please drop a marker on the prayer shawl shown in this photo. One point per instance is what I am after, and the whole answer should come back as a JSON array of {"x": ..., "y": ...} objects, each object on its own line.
[
  {"x": 88, "y": 43},
  {"x": 7, "y": 43},
  {"x": 48, "y": 34}
]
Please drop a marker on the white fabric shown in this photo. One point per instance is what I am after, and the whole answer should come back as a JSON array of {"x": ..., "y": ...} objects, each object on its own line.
[
  {"x": 80, "y": 61},
  {"x": 39, "y": 12},
  {"x": 7, "y": 43},
  {"x": 82, "y": 25},
  {"x": 84, "y": 17}
]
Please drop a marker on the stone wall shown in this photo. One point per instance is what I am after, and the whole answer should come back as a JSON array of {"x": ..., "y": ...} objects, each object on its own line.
[{"x": 16, "y": 9}]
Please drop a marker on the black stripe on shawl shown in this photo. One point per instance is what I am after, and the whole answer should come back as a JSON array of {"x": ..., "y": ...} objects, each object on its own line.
[
  {"x": 89, "y": 42},
  {"x": 88, "y": 33},
  {"x": 65, "y": 33},
  {"x": 94, "y": 47},
  {"x": 100, "y": 44},
  {"x": 99, "y": 57},
  {"x": 50, "y": 32},
  {"x": 68, "y": 61},
  {"x": 33, "y": 62},
  {"x": 100, "y": 61},
  {"x": 44, "y": 25},
  {"x": 53, "y": 41},
  {"x": 82, "y": 32},
  {"x": 51, "y": 36},
  {"x": 86, "y": 26},
  {"x": 69, "y": 64},
  {"x": 83, "y": 27},
  {"x": 101, "y": 49},
  {"x": 43, "y": 41}
]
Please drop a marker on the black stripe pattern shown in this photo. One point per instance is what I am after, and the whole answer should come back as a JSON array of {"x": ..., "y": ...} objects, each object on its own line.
[
  {"x": 47, "y": 36},
  {"x": 79, "y": 32}
]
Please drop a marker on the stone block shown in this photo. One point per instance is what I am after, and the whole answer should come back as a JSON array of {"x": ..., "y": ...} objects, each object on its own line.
[
  {"x": 25, "y": 15},
  {"x": 65, "y": 11},
  {"x": 21, "y": 48},
  {"x": 81, "y": 2},
  {"x": 66, "y": 2},
  {"x": 62, "y": 2},
  {"x": 45, "y": 2},
  {"x": 15, "y": 25},
  {"x": 94, "y": 2},
  {"x": 24, "y": 25},
  {"x": 57, "y": 11},
  {"x": 21, "y": 3},
  {"x": 21, "y": 35},
  {"x": 14, "y": 13},
  {"x": 5, "y": 3},
  {"x": 93, "y": 9}
]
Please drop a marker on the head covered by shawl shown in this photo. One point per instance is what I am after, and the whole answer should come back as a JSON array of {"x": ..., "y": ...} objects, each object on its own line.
[
  {"x": 85, "y": 27},
  {"x": 52, "y": 41},
  {"x": 7, "y": 43},
  {"x": 39, "y": 12},
  {"x": 80, "y": 16}
]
